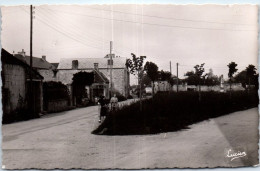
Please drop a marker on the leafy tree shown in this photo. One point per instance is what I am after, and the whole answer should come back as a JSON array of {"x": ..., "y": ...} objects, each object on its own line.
[
  {"x": 146, "y": 81},
  {"x": 192, "y": 78},
  {"x": 80, "y": 80},
  {"x": 211, "y": 79},
  {"x": 247, "y": 76},
  {"x": 250, "y": 72},
  {"x": 241, "y": 77},
  {"x": 135, "y": 66},
  {"x": 151, "y": 71},
  {"x": 164, "y": 75},
  {"x": 232, "y": 69},
  {"x": 199, "y": 69}
]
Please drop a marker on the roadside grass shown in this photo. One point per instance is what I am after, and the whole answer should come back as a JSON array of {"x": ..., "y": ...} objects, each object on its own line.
[{"x": 168, "y": 112}]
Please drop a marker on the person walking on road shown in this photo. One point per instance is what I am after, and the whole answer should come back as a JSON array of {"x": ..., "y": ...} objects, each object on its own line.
[
  {"x": 114, "y": 103},
  {"x": 103, "y": 110}
]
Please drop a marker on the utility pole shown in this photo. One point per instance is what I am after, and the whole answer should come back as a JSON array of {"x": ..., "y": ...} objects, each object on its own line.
[
  {"x": 31, "y": 84},
  {"x": 111, "y": 67},
  {"x": 177, "y": 77},
  {"x": 171, "y": 67}
]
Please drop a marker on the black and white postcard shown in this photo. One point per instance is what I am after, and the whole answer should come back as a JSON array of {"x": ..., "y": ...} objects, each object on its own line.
[{"x": 129, "y": 86}]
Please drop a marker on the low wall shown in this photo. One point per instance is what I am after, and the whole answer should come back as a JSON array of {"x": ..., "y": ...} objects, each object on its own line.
[
  {"x": 58, "y": 105},
  {"x": 226, "y": 87}
]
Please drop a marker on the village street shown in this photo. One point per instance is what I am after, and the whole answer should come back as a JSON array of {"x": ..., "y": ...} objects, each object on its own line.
[{"x": 64, "y": 140}]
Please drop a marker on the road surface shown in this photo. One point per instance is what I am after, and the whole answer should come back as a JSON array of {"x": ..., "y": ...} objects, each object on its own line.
[{"x": 64, "y": 140}]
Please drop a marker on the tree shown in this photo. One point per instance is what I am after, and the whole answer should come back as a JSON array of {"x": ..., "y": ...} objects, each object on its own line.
[
  {"x": 241, "y": 77},
  {"x": 247, "y": 77},
  {"x": 211, "y": 79},
  {"x": 250, "y": 72},
  {"x": 199, "y": 69},
  {"x": 232, "y": 69},
  {"x": 135, "y": 66},
  {"x": 80, "y": 80},
  {"x": 151, "y": 71},
  {"x": 164, "y": 75},
  {"x": 192, "y": 78},
  {"x": 146, "y": 81}
]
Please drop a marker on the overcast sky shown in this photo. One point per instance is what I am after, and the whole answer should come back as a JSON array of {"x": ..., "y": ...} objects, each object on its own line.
[{"x": 187, "y": 34}]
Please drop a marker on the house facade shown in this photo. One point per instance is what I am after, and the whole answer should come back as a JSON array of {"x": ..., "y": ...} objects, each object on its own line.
[
  {"x": 46, "y": 69},
  {"x": 18, "y": 87},
  {"x": 120, "y": 75}
]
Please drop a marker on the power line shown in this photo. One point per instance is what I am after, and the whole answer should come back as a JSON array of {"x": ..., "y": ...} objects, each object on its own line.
[
  {"x": 76, "y": 29},
  {"x": 96, "y": 37},
  {"x": 65, "y": 34},
  {"x": 170, "y": 18},
  {"x": 70, "y": 29},
  {"x": 153, "y": 24},
  {"x": 82, "y": 37}
]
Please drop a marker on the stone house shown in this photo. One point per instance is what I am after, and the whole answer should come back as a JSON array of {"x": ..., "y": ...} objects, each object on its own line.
[
  {"x": 46, "y": 69},
  {"x": 16, "y": 89},
  {"x": 100, "y": 87},
  {"x": 120, "y": 75}
]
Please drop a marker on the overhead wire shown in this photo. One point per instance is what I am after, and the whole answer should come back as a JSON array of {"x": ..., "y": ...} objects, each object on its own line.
[
  {"x": 154, "y": 24},
  {"x": 169, "y": 18}
]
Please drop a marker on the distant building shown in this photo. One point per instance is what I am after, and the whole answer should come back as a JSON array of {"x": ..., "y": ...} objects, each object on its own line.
[
  {"x": 46, "y": 69},
  {"x": 69, "y": 66},
  {"x": 16, "y": 87}
]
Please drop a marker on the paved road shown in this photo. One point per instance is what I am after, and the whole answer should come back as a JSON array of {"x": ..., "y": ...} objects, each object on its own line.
[{"x": 63, "y": 140}]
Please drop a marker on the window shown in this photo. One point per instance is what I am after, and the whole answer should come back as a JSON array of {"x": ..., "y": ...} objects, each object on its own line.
[
  {"x": 110, "y": 62},
  {"x": 75, "y": 64}
]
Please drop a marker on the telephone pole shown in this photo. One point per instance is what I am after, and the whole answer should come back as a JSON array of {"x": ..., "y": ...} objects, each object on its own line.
[
  {"x": 111, "y": 67},
  {"x": 31, "y": 83},
  {"x": 171, "y": 67},
  {"x": 177, "y": 77}
]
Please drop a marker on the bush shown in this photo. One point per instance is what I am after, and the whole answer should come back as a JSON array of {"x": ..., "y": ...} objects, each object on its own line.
[
  {"x": 54, "y": 91},
  {"x": 174, "y": 111},
  {"x": 129, "y": 97}
]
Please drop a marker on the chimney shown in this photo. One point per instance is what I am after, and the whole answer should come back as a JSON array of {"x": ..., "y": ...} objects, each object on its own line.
[
  {"x": 44, "y": 57},
  {"x": 96, "y": 66},
  {"x": 22, "y": 53}
]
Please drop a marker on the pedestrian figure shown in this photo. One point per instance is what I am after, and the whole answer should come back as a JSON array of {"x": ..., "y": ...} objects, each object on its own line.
[
  {"x": 96, "y": 100},
  {"x": 114, "y": 103},
  {"x": 103, "y": 110}
]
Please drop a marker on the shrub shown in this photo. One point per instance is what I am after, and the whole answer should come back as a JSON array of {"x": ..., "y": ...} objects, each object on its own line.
[
  {"x": 174, "y": 111},
  {"x": 54, "y": 91},
  {"x": 129, "y": 97}
]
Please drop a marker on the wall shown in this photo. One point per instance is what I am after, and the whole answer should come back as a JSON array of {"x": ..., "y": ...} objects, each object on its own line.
[
  {"x": 47, "y": 74},
  {"x": 120, "y": 78},
  {"x": 14, "y": 87},
  {"x": 161, "y": 86},
  {"x": 57, "y": 105},
  {"x": 226, "y": 87}
]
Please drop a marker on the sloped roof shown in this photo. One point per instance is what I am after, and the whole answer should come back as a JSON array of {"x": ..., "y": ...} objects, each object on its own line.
[
  {"x": 7, "y": 58},
  {"x": 88, "y": 63},
  {"x": 55, "y": 64},
  {"x": 100, "y": 77},
  {"x": 38, "y": 63}
]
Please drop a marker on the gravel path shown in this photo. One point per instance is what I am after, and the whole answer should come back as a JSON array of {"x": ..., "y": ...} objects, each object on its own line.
[{"x": 64, "y": 140}]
